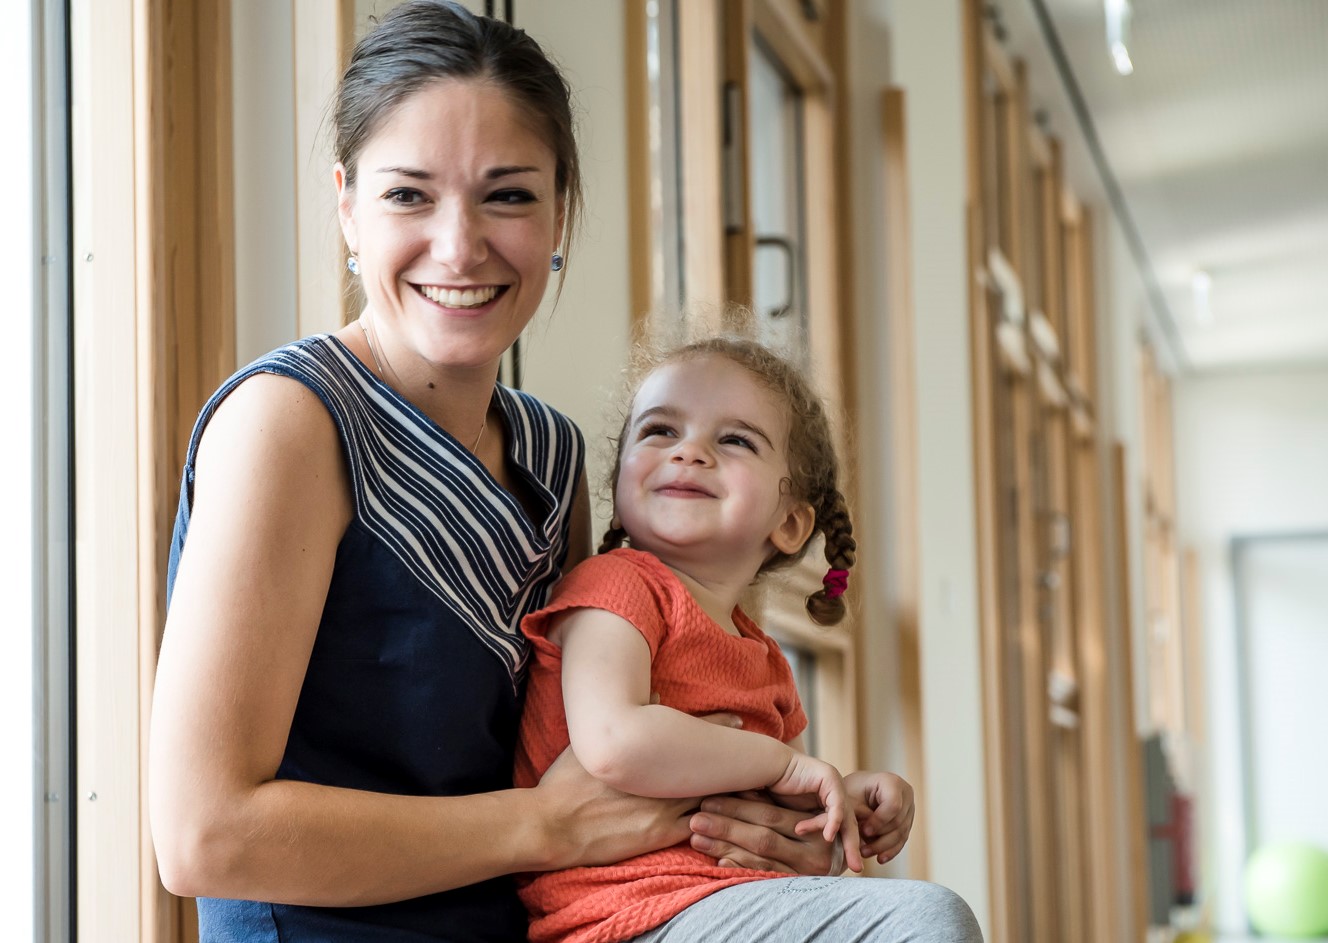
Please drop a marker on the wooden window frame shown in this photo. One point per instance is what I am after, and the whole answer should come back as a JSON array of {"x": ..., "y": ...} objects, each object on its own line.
[{"x": 1053, "y": 831}]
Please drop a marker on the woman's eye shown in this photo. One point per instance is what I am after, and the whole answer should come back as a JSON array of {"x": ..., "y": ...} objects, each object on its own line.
[
  {"x": 403, "y": 196},
  {"x": 512, "y": 197}
]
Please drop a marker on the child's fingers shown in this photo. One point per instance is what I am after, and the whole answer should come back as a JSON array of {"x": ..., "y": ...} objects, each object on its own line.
[
  {"x": 834, "y": 822},
  {"x": 852, "y": 851},
  {"x": 886, "y": 846},
  {"x": 811, "y": 826}
]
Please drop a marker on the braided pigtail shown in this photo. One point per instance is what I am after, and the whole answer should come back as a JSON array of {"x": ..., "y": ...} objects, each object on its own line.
[
  {"x": 614, "y": 537},
  {"x": 826, "y": 605}
]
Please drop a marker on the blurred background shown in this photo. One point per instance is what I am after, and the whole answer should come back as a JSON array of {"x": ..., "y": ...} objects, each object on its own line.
[{"x": 1060, "y": 267}]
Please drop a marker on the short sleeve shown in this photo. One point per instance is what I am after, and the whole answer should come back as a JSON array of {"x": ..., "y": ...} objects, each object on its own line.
[{"x": 614, "y": 582}]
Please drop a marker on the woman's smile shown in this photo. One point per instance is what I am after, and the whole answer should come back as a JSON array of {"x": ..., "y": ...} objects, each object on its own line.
[{"x": 463, "y": 299}]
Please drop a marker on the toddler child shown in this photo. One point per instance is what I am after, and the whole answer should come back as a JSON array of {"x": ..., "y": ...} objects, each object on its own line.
[{"x": 725, "y": 469}]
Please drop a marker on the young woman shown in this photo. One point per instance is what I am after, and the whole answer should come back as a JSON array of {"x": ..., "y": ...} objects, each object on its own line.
[
  {"x": 725, "y": 469},
  {"x": 364, "y": 520}
]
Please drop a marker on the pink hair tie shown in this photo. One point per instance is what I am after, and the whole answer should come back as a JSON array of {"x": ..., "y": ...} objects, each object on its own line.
[{"x": 836, "y": 581}]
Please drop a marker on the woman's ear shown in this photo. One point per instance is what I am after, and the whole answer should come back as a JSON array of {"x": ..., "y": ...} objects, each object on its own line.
[
  {"x": 795, "y": 528},
  {"x": 559, "y": 222},
  {"x": 346, "y": 208}
]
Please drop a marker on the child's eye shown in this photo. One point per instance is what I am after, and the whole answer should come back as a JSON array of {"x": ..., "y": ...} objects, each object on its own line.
[
  {"x": 734, "y": 438},
  {"x": 654, "y": 429},
  {"x": 404, "y": 196},
  {"x": 512, "y": 197}
]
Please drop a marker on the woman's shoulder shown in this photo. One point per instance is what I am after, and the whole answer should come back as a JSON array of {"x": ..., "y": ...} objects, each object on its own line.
[
  {"x": 277, "y": 410},
  {"x": 272, "y": 400}
]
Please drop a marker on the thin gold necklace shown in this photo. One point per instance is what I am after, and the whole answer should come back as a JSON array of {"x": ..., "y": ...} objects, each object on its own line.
[{"x": 368, "y": 342}]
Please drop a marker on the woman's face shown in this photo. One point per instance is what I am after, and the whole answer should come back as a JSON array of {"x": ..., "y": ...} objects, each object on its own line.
[{"x": 454, "y": 216}]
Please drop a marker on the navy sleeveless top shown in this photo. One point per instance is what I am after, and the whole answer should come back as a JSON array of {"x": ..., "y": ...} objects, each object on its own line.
[{"x": 415, "y": 679}]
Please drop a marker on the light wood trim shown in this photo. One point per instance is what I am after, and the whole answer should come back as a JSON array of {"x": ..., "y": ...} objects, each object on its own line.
[
  {"x": 185, "y": 275},
  {"x": 1039, "y": 796},
  {"x": 825, "y": 317},
  {"x": 739, "y": 239},
  {"x": 1086, "y": 367},
  {"x": 996, "y": 59},
  {"x": 903, "y": 449},
  {"x": 835, "y": 39},
  {"x": 1039, "y": 152},
  {"x": 108, "y": 840},
  {"x": 1100, "y": 760},
  {"x": 699, "y": 101},
  {"x": 788, "y": 38},
  {"x": 1137, "y": 852},
  {"x": 640, "y": 232},
  {"x": 1002, "y": 866},
  {"x": 320, "y": 46},
  {"x": 1053, "y": 304}
]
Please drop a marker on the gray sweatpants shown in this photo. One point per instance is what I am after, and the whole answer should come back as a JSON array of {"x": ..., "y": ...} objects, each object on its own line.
[{"x": 831, "y": 910}]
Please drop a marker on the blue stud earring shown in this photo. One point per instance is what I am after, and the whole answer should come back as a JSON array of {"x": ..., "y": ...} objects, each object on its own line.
[
  {"x": 353, "y": 264},
  {"x": 557, "y": 263}
]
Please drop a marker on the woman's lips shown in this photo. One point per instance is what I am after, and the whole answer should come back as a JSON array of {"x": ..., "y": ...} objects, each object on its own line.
[{"x": 461, "y": 298}]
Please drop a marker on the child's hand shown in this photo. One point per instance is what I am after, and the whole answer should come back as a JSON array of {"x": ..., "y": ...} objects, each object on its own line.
[
  {"x": 883, "y": 806},
  {"x": 808, "y": 775}
]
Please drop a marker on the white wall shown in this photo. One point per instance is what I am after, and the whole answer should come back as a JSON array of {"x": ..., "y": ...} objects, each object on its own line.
[
  {"x": 926, "y": 60},
  {"x": 1252, "y": 458},
  {"x": 18, "y": 247},
  {"x": 265, "y": 162}
]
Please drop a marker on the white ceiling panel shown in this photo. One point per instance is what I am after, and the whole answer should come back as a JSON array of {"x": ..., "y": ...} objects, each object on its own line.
[{"x": 1219, "y": 140}]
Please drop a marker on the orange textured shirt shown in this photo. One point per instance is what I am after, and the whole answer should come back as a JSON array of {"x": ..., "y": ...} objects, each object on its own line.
[{"x": 696, "y": 667}]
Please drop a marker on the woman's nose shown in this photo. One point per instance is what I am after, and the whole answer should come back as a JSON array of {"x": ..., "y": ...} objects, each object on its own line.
[{"x": 459, "y": 241}]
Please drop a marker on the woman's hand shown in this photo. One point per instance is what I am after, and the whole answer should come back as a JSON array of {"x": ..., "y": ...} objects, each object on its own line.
[
  {"x": 883, "y": 804},
  {"x": 808, "y": 776},
  {"x": 590, "y": 823},
  {"x": 750, "y": 831}
]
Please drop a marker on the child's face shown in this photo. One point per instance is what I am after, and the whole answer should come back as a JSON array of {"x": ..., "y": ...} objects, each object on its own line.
[{"x": 703, "y": 458}]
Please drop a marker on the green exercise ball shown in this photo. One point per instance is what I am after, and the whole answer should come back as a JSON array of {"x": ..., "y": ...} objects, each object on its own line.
[{"x": 1286, "y": 890}]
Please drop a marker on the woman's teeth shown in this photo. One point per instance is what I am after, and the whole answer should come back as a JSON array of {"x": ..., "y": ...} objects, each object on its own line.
[{"x": 466, "y": 298}]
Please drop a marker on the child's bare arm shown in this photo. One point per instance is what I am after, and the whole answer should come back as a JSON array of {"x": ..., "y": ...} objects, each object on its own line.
[
  {"x": 648, "y": 749},
  {"x": 652, "y": 750}
]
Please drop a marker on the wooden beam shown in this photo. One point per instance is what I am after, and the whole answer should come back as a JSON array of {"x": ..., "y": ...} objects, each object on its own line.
[
  {"x": 700, "y": 95},
  {"x": 185, "y": 274},
  {"x": 903, "y": 449}
]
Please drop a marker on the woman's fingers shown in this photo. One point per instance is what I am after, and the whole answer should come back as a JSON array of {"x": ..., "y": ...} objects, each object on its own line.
[
  {"x": 757, "y": 835},
  {"x": 756, "y": 812}
]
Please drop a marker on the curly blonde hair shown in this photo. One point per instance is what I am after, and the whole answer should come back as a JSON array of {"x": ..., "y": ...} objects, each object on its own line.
[{"x": 812, "y": 459}]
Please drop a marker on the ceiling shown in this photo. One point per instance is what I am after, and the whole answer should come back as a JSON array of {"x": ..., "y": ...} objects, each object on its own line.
[{"x": 1219, "y": 144}]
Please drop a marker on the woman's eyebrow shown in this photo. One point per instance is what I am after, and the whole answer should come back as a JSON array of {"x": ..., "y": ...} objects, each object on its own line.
[
  {"x": 495, "y": 172},
  {"x": 492, "y": 173},
  {"x": 413, "y": 172}
]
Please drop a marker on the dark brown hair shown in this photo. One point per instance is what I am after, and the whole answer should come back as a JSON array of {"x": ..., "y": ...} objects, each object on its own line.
[
  {"x": 813, "y": 462},
  {"x": 423, "y": 41}
]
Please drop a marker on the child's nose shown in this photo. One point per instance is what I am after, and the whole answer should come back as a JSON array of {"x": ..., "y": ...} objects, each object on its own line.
[{"x": 691, "y": 451}]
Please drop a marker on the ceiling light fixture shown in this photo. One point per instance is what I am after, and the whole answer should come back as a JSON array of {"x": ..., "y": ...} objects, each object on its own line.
[
  {"x": 1202, "y": 285},
  {"x": 1118, "y": 34}
]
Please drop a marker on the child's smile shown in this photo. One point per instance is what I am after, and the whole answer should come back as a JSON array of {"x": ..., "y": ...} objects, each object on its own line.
[{"x": 704, "y": 468}]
